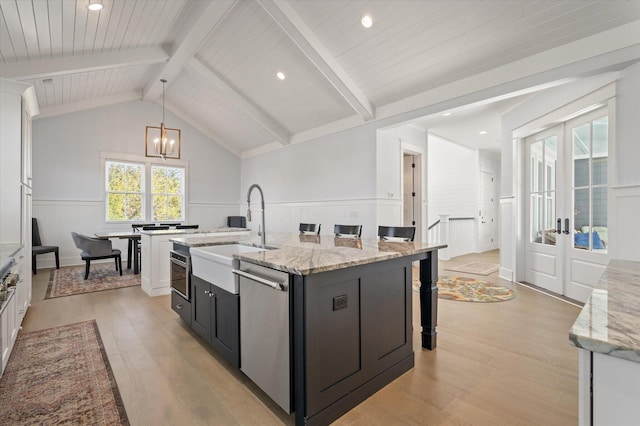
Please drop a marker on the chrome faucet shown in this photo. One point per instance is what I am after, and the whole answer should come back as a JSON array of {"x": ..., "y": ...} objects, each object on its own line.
[{"x": 262, "y": 234}]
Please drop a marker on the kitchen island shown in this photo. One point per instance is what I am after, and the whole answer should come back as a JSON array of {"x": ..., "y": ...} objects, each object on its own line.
[
  {"x": 607, "y": 332},
  {"x": 347, "y": 317}
]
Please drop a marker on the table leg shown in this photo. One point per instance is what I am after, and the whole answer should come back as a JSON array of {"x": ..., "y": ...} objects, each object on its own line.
[
  {"x": 429, "y": 299},
  {"x": 129, "y": 246},
  {"x": 136, "y": 257}
]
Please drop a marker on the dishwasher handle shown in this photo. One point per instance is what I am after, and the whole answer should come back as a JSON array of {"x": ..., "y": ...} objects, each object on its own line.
[{"x": 256, "y": 278}]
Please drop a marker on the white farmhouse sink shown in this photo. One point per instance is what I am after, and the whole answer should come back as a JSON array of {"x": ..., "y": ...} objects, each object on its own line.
[{"x": 214, "y": 263}]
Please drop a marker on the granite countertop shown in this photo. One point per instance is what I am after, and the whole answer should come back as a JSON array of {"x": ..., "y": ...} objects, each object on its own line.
[
  {"x": 311, "y": 254},
  {"x": 609, "y": 322}
]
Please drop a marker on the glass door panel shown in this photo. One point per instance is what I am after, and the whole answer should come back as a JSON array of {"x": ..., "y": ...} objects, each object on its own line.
[
  {"x": 590, "y": 157},
  {"x": 543, "y": 156}
]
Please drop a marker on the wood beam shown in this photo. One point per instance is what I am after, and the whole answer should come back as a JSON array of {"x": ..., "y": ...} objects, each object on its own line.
[
  {"x": 243, "y": 105},
  {"x": 300, "y": 33},
  {"x": 205, "y": 18},
  {"x": 44, "y": 68}
]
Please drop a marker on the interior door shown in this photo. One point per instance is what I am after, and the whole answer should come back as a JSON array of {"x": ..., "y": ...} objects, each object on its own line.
[
  {"x": 487, "y": 210},
  {"x": 587, "y": 249},
  {"x": 544, "y": 206},
  {"x": 567, "y": 220}
]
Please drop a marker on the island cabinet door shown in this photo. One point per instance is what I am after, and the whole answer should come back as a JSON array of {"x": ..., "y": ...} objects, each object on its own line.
[
  {"x": 358, "y": 336},
  {"x": 225, "y": 324},
  {"x": 201, "y": 307}
]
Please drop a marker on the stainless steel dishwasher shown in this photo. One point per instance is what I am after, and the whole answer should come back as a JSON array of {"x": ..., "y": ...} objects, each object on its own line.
[{"x": 265, "y": 330}]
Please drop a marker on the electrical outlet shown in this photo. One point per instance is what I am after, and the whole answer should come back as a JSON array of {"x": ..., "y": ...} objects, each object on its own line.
[{"x": 340, "y": 302}]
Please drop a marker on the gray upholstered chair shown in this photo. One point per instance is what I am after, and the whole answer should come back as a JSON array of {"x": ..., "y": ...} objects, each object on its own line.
[
  {"x": 37, "y": 247},
  {"x": 94, "y": 249}
]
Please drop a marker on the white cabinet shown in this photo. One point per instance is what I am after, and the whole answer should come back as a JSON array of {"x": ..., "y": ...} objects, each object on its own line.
[
  {"x": 609, "y": 390},
  {"x": 154, "y": 258},
  {"x": 8, "y": 328}
]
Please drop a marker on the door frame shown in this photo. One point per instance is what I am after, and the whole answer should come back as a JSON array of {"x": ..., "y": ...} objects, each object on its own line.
[
  {"x": 600, "y": 97},
  {"x": 421, "y": 194}
]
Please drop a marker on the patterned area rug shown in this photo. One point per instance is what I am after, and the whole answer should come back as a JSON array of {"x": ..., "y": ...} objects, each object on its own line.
[
  {"x": 476, "y": 268},
  {"x": 470, "y": 290},
  {"x": 102, "y": 276},
  {"x": 60, "y": 376}
]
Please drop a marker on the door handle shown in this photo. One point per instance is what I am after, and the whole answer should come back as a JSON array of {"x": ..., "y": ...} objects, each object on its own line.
[
  {"x": 559, "y": 226},
  {"x": 566, "y": 226}
]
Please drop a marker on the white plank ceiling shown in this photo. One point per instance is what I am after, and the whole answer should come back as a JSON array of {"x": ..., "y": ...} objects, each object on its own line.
[{"x": 221, "y": 57}]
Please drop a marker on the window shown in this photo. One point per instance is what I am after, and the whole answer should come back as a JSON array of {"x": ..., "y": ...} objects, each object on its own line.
[
  {"x": 125, "y": 191},
  {"x": 127, "y": 196},
  {"x": 167, "y": 193}
]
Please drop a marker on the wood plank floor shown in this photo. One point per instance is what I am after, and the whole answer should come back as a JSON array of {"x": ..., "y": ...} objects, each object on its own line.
[{"x": 495, "y": 364}]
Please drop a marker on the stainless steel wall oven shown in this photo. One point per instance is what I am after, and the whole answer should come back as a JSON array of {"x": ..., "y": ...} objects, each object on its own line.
[{"x": 180, "y": 273}]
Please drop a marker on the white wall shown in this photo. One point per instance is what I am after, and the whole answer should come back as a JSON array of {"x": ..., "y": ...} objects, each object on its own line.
[
  {"x": 328, "y": 180},
  {"x": 68, "y": 186},
  {"x": 624, "y": 202}
]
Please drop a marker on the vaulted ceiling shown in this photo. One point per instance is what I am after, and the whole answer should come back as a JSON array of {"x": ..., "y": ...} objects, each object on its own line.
[{"x": 221, "y": 57}]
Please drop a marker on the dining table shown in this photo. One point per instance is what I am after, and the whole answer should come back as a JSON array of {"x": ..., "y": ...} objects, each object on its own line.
[{"x": 132, "y": 247}]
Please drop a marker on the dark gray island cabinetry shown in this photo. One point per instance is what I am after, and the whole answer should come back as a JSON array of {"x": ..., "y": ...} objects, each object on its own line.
[{"x": 331, "y": 318}]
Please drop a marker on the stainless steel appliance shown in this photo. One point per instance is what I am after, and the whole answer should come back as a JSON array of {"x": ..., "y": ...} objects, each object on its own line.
[
  {"x": 265, "y": 330},
  {"x": 180, "y": 270}
]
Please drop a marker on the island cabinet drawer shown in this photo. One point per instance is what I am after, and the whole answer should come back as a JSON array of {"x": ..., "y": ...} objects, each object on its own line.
[
  {"x": 181, "y": 306},
  {"x": 357, "y": 325}
]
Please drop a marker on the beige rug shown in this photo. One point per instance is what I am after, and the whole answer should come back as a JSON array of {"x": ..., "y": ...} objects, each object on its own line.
[
  {"x": 477, "y": 268},
  {"x": 60, "y": 375},
  {"x": 465, "y": 289},
  {"x": 102, "y": 276}
]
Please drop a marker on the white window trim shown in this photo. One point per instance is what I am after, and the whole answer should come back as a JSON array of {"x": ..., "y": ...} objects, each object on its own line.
[{"x": 147, "y": 162}]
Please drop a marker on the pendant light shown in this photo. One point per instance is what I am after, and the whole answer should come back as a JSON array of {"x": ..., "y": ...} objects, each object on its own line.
[{"x": 162, "y": 141}]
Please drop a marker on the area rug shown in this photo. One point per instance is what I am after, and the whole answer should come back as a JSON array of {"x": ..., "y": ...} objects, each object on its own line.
[
  {"x": 102, "y": 276},
  {"x": 476, "y": 268},
  {"x": 60, "y": 375},
  {"x": 465, "y": 289}
]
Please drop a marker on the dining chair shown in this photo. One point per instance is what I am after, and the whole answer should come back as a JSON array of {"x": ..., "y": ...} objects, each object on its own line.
[
  {"x": 94, "y": 249},
  {"x": 407, "y": 233},
  {"x": 139, "y": 226},
  {"x": 155, "y": 228},
  {"x": 309, "y": 228},
  {"x": 37, "y": 247},
  {"x": 347, "y": 230}
]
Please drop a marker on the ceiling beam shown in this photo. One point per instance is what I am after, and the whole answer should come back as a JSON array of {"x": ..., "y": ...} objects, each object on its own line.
[
  {"x": 300, "y": 33},
  {"x": 47, "y": 68},
  {"x": 205, "y": 18},
  {"x": 52, "y": 111},
  {"x": 243, "y": 105}
]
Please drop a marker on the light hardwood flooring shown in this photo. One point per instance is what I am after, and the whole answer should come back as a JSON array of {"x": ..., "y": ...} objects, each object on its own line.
[{"x": 495, "y": 364}]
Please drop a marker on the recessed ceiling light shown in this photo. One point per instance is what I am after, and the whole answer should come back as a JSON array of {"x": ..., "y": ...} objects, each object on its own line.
[
  {"x": 367, "y": 21},
  {"x": 483, "y": 132},
  {"x": 94, "y": 5},
  {"x": 446, "y": 114},
  {"x": 281, "y": 75}
]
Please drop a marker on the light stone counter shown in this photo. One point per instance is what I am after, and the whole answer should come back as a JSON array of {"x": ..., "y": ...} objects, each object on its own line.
[
  {"x": 311, "y": 254},
  {"x": 609, "y": 323}
]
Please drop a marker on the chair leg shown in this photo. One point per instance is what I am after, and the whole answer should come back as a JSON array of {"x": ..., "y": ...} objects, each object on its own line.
[
  {"x": 120, "y": 263},
  {"x": 116, "y": 260},
  {"x": 86, "y": 271},
  {"x": 33, "y": 264},
  {"x": 57, "y": 259}
]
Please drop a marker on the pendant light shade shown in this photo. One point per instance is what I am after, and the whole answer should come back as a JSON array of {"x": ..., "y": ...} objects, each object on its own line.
[{"x": 162, "y": 141}]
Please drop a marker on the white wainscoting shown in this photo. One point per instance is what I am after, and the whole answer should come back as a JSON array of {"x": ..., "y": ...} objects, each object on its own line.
[
  {"x": 57, "y": 219},
  {"x": 624, "y": 233},
  {"x": 507, "y": 238},
  {"x": 286, "y": 217}
]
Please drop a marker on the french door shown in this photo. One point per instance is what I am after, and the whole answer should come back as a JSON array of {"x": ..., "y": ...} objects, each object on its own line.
[{"x": 566, "y": 205}]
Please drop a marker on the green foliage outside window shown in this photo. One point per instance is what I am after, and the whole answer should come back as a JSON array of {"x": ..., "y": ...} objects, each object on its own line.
[
  {"x": 125, "y": 191},
  {"x": 167, "y": 185}
]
